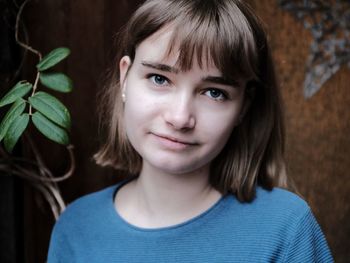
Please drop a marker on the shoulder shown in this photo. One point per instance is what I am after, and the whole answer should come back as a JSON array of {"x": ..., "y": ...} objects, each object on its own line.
[
  {"x": 91, "y": 199},
  {"x": 274, "y": 210},
  {"x": 280, "y": 220},
  {"x": 82, "y": 221},
  {"x": 280, "y": 199},
  {"x": 284, "y": 207},
  {"x": 294, "y": 219},
  {"x": 87, "y": 209},
  {"x": 277, "y": 200}
]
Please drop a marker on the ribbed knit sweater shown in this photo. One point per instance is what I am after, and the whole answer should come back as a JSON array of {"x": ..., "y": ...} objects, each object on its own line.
[{"x": 277, "y": 226}]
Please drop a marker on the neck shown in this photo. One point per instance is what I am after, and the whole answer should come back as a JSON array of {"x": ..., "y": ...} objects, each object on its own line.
[
  {"x": 172, "y": 191},
  {"x": 161, "y": 199}
]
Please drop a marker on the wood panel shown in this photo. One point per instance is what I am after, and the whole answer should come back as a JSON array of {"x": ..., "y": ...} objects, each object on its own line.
[
  {"x": 11, "y": 205},
  {"x": 87, "y": 28},
  {"x": 317, "y": 129}
]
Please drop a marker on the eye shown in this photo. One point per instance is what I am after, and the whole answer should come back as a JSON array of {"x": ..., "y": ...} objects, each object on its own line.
[
  {"x": 215, "y": 94},
  {"x": 158, "y": 79}
]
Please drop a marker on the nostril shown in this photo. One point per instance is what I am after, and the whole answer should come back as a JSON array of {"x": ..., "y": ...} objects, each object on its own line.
[
  {"x": 180, "y": 120},
  {"x": 180, "y": 112},
  {"x": 181, "y": 123}
]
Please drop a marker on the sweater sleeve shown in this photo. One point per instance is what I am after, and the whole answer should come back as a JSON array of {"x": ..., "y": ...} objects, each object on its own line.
[
  {"x": 308, "y": 244},
  {"x": 59, "y": 249}
]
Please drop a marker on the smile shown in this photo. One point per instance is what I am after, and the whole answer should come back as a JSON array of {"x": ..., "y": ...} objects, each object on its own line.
[{"x": 172, "y": 142}]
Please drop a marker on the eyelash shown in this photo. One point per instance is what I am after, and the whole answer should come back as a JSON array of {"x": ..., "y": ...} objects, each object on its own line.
[
  {"x": 222, "y": 96},
  {"x": 153, "y": 77}
]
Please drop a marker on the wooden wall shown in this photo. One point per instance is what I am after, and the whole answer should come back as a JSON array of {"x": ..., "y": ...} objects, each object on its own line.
[
  {"x": 318, "y": 148},
  {"x": 318, "y": 144}
]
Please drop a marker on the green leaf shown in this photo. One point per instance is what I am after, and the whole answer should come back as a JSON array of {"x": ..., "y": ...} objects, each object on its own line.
[
  {"x": 56, "y": 81},
  {"x": 16, "y": 109},
  {"x": 53, "y": 58},
  {"x": 49, "y": 129},
  {"x": 51, "y": 108},
  {"x": 18, "y": 91},
  {"x": 15, "y": 131}
]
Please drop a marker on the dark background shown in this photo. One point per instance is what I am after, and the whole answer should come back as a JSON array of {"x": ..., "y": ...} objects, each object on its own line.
[{"x": 318, "y": 144}]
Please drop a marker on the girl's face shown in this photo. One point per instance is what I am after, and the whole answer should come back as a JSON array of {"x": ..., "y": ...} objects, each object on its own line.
[{"x": 177, "y": 121}]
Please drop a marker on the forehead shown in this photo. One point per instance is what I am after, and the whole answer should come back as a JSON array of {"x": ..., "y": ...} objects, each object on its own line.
[{"x": 161, "y": 48}]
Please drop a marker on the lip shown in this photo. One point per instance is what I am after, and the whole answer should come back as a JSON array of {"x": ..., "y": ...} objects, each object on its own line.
[{"x": 173, "y": 142}]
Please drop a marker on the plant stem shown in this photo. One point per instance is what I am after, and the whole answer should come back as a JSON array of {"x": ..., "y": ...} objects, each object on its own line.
[
  {"x": 34, "y": 89},
  {"x": 18, "y": 18},
  {"x": 27, "y": 47}
]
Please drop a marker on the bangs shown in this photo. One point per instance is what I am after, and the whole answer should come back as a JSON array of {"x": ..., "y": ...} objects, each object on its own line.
[{"x": 210, "y": 35}]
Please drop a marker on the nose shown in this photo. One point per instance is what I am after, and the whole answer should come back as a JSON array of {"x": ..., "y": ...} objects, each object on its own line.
[{"x": 180, "y": 113}]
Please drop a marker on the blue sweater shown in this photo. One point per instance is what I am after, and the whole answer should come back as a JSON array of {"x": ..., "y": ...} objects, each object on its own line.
[{"x": 277, "y": 226}]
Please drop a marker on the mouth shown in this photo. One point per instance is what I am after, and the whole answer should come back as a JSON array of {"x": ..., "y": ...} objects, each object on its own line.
[{"x": 173, "y": 142}]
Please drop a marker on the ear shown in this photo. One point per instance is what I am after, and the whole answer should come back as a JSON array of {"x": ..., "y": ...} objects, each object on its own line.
[{"x": 124, "y": 66}]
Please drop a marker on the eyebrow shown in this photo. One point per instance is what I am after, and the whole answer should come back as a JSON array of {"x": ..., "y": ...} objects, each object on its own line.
[
  {"x": 161, "y": 67},
  {"x": 221, "y": 80},
  {"x": 212, "y": 79}
]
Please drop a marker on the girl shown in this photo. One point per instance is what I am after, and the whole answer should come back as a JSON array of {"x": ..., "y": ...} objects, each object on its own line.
[{"x": 194, "y": 114}]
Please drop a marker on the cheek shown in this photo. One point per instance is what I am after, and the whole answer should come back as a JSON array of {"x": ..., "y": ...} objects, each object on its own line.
[
  {"x": 219, "y": 125},
  {"x": 139, "y": 108},
  {"x": 134, "y": 122},
  {"x": 134, "y": 114}
]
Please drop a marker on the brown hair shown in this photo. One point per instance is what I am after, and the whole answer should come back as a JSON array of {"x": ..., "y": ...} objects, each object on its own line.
[{"x": 231, "y": 35}]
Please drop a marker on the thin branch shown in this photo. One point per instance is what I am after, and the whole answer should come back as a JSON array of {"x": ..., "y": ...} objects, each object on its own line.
[
  {"x": 27, "y": 47},
  {"x": 13, "y": 165},
  {"x": 57, "y": 196},
  {"x": 48, "y": 197},
  {"x": 42, "y": 165},
  {"x": 36, "y": 172}
]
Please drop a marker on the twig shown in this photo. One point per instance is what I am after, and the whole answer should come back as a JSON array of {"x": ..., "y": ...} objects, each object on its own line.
[
  {"x": 36, "y": 172},
  {"x": 27, "y": 47},
  {"x": 14, "y": 165},
  {"x": 49, "y": 198},
  {"x": 46, "y": 185},
  {"x": 44, "y": 170}
]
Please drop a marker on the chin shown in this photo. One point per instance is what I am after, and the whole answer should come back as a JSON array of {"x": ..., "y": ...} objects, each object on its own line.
[{"x": 177, "y": 168}]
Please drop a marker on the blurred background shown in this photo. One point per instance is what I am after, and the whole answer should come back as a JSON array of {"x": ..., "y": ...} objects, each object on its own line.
[{"x": 318, "y": 127}]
